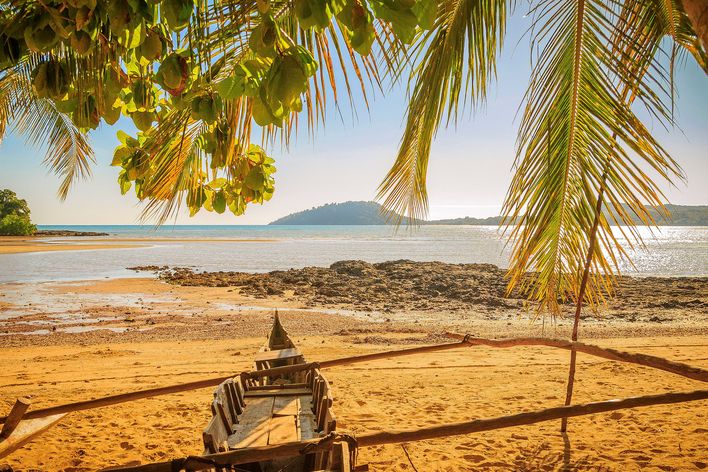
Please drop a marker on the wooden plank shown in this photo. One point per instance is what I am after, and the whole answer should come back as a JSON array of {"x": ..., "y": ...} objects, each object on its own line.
[
  {"x": 26, "y": 431},
  {"x": 253, "y": 429},
  {"x": 280, "y": 386},
  {"x": 13, "y": 419},
  {"x": 306, "y": 428},
  {"x": 283, "y": 406},
  {"x": 278, "y": 354},
  {"x": 214, "y": 436},
  {"x": 282, "y": 429},
  {"x": 225, "y": 400},
  {"x": 277, "y": 392}
]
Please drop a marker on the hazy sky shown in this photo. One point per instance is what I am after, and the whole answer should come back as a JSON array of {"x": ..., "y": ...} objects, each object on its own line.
[{"x": 469, "y": 173}]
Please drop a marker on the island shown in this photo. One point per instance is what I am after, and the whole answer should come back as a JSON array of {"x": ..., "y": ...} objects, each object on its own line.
[{"x": 372, "y": 213}]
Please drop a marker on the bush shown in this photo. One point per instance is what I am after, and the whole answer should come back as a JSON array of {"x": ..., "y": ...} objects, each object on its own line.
[{"x": 16, "y": 225}]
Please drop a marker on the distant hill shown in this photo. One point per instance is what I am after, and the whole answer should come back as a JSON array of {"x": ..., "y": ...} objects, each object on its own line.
[
  {"x": 369, "y": 213},
  {"x": 347, "y": 213}
]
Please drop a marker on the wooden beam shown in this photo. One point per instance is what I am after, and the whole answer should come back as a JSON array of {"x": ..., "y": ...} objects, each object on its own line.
[
  {"x": 13, "y": 419},
  {"x": 154, "y": 392},
  {"x": 684, "y": 370},
  {"x": 26, "y": 431},
  {"x": 612, "y": 354},
  {"x": 257, "y": 454}
]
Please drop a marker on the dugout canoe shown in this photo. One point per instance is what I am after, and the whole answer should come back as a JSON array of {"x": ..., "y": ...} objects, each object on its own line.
[{"x": 295, "y": 406}]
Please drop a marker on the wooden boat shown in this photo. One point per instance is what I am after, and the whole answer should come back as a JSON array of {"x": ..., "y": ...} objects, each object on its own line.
[
  {"x": 26, "y": 431},
  {"x": 276, "y": 410}
]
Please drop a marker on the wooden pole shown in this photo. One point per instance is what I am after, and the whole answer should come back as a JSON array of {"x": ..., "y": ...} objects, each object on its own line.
[
  {"x": 684, "y": 370},
  {"x": 13, "y": 419},
  {"x": 612, "y": 354},
  {"x": 256, "y": 454},
  {"x": 388, "y": 354},
  {"x": 154, "y": 392},
  {"x": 581, "y": 298}
]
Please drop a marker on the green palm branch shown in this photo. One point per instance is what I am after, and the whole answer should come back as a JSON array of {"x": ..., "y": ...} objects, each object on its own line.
[
  {"x": 68, "y": 151},
  {"x": 454, "y": 62}
]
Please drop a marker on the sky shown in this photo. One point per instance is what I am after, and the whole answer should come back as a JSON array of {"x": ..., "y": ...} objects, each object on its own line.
[{"x": 469, "y": 173}]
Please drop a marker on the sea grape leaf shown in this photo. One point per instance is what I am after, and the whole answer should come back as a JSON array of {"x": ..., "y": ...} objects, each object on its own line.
[
  {"x": 219, "y": 202},
  {"x": 313, "y": 14},
  {"x": 426, "y": 12}
]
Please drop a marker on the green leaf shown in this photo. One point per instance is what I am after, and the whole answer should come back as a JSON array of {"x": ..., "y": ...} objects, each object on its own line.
[
  {"x": 255, "y": 180},
  {"x": 219, "y": 202},
  {"x": 124, "y": 182},
  {"x": 426, "y": 11},
  {"x": 232, "y": 87},
  {"x": 218, "y": 183}
]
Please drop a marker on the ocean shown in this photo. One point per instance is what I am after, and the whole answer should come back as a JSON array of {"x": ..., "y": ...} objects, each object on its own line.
[{"x": 670, "y": 251}]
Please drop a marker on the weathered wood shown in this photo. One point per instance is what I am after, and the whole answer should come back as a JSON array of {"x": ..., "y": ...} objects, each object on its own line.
[
  {"x": 215, "y": 436},
  {"x": 13, "y": 419},
  {"x": 26, "y": 431},
  {"x": 253, "y": 427},
  {"x": 286, "y": 406},
  {"x": 306, "y": 428},
  {"x": 279, "y": 386},
  {"x": 282, "y": 429},
  {"x": 244, "y": 456},
  {"x": 277, "y": 393},
  {"x": 642, "y": 359},
  {"x": 278, "y": 354},
  {"x": 684, "y": 370}
]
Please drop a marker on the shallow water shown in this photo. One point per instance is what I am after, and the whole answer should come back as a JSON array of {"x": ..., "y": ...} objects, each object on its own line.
[{"x": 671, "y": 251}]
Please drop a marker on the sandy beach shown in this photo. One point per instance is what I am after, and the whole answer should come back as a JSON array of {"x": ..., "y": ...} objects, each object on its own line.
[
  {"x": 96, "y": 338},
  {"x": 21, "y": 245}
]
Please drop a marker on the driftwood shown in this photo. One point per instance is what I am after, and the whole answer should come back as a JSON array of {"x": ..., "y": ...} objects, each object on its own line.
[
  {"x": 256, "y": 454},
  {"x": 612, "y": 354},
  {"x": 684, "y": 370},
  {"x": 26, "y": 431},
  {"x": 13, "y": 419}
]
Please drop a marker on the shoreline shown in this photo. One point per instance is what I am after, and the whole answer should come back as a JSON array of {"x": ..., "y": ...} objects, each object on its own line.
[{"x": 392, "y": 297}]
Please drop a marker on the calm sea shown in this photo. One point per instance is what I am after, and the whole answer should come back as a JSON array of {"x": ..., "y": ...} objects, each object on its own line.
[{"x": 672, "y": 251}]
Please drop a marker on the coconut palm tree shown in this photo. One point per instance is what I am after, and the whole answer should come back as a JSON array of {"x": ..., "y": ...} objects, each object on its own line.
[{"x": 196, "y": 75}]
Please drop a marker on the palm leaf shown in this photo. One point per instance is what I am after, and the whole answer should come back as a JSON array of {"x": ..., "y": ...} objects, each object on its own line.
[
  {"x": 455, "y": 61},
  {"x": 579, "y": 135},
  {"x": 68, "y": 151}
]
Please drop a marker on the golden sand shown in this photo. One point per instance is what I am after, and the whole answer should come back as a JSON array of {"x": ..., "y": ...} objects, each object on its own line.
[{"x": 403, "y": 393}]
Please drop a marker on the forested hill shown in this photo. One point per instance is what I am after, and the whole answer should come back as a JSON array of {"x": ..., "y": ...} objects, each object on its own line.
[
  {"x": 369, "y": 213},
  {"x": 347, "y": 213}
]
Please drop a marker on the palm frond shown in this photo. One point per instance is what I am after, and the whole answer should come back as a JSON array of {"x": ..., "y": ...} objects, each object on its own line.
[
  {"x": 68, "y": 151},
  {"x": 579, "y": 135},
  {"x": 454, "y": 61}
]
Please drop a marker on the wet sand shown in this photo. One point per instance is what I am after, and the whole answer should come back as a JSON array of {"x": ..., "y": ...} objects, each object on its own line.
[
  {"x": 19, "y": 245},
  {"x": 107, "y": 337}
]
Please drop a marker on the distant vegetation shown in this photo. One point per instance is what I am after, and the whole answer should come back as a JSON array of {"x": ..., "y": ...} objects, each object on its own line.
[
  {"x": 369, "y": 213},
  {"x": 14, "y": 215},
  {"x": 347, "y": 213}
]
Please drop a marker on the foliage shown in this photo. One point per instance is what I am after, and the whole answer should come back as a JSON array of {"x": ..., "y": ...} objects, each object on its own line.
[
  {"x": 198, "y": 77},
  {"x": 194, "y": 76},
  {"x": 14, "y": 215},
  {"x": 580, "y": 138},
  {"x": 11, "y": 205},
  {"x": 345, "y": 213},
  {"x": 16, "y": 225}
]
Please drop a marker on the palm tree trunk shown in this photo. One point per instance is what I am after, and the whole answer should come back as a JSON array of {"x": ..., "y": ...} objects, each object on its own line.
[
  {"x": 697, "y": 11},
  {"x": 579, "y": 303}
]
